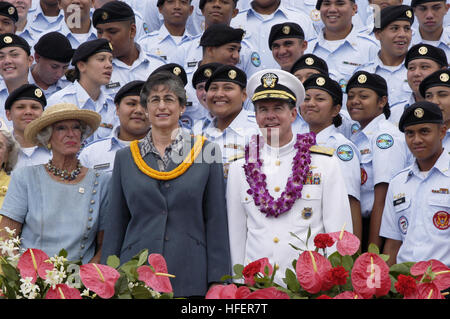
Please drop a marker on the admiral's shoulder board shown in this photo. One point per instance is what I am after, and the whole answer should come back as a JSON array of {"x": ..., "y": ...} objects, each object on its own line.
[{"x": 322, "y": 150}]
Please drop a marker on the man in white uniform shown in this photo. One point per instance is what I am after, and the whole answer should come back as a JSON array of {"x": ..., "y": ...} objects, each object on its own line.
[{"x": 314, "y": 197}]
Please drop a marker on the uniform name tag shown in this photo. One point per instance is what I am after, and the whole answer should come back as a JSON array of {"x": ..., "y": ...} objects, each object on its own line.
[
  {"x": 102, "y": 166},
  {"x": 192, "y": 64},
  {"x": 112, "y": 85},
  {"x": 188, "y": 103},
  {"x": 399, "y": 201}
]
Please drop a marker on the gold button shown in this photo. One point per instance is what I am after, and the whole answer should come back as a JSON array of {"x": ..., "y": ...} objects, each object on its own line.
[
  {"x": 277, "y": 267},
  {"x": 277, "y": 162},
  {"x": 277, "y": 189},
  {"x": 276, "y": 240},
  {"x": 246, "y": 198},
  {"x": 307, "y": 196}
]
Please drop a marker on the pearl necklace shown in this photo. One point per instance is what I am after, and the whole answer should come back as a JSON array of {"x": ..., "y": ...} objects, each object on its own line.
[{"x": 64, "y": 174}]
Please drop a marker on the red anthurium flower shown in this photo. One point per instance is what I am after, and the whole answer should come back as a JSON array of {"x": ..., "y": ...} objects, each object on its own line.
[
  {"x": 428, "y": 290},
  {"x": 254, "y": 268},
  {"x": 312, "y": 269},
  {"x": 268, "y": 293},
  {"x": 99, "y": 278},
  {"x": 323, "y": 241},
  {"x": 222, "y": 292},
  {"x": 370, "y": 276},
  {"x": 156, "y": 278},
  {"x": 440, "y": 270},
  {"x": 347, "y": 243},
  {"x": 406, "y": 286},
  {"x": 349, "y": 295},
  {"x": 33, "y": 263},
  {"x": 63, "y": 291},
  {"x": 324, "y": 297}
]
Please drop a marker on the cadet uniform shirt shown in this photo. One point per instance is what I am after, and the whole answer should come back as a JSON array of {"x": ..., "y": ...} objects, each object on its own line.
[
  {"x": 348, "y": 155},
  {"x": 254, "y": 25},
  {"x": 383, "y": 153},
  {"x": 398, "y": 108},
  {"x": 417, "y": 212},
  {"x": 40, "y": 23},
  {"x": 446, "y": 142},
  {"x": 60, "y": 84},
  {"x": 76, "y": 94},
  {"x": 3, "y": 96},
  {"x": 75, "y": 39},
  {"x": 233, "y": 139},
  {"x": 395, "y": 76},
  {"x": 29, "y": 156},
  {"x": 443, "y": 42},
  {"x": 353, "y": 51},
  {"x": 323, "y": 207}
]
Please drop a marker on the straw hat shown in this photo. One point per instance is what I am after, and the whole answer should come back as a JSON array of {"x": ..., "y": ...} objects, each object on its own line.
[{"x": 61, "y": 112}]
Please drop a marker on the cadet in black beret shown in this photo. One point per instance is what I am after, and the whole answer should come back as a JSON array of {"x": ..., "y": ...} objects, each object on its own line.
[
  {"x": 204, "y": 72},
  {"x": 12, "y": 40},
  {"x": 26, "y": 92},
  {"x": 174, "y": 68},
  {"x": 54, "y": 46},
  {"x": 426, "y": 51},
  {"x": 86, "y": 49},
  {"x": 394, "y": 13},
  {"x": 211, "y": 38},
  {"x": 284, "y": 31},
  {"x": 325, "y": 83},
  {"x": 228, "y": 73},
  {"x": 202, "y": 3},
  {"x": 307, "y": 65},
  {"x": 132, "y": 88},
  {"x": 420, "y": 112},
  {"x": 114, "y": 11},
  {"x": 10, "y": 12},
  {"x": 438, "y": 78}
]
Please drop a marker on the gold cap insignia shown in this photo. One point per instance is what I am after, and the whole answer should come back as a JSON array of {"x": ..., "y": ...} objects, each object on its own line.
[
  {"x": 423, "y": 50},
  {"x": 320, "y": 81},
  {"x": 286, "y": 29},
  {"x": 419, "y": 113},
  {"x": 269, "y": 80},
  {"x": 110, "y": 46},
  {"x": 7, "y": 39},
  {"x": 309, "y": 61},
  {"x": 38, "y": 93},
  {"x": 11, "y": 10},
  {"x": 176, "y": 70},
  {"x": 207, "y": 73},
  {"x": 232, "y": 74},
  {"x": 362, "y": 78},
  {"x": 444, "y": 77},
  {"x": 105, "y": 15},
  {"x": 409, "y": 14}
]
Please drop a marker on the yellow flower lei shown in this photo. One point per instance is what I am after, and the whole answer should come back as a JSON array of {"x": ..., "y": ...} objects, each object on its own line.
[{"x": 179, "y": 170}]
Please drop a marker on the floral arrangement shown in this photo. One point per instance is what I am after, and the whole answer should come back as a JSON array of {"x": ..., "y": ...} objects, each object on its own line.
[
  {"x": 345, "y": 274},
  {"x": 34, "y": 275}
]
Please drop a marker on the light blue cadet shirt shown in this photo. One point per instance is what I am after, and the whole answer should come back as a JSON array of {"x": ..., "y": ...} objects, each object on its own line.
[
  {"x": 417, "y": 212},
  {"x": 344, "y": 56},
  {"x": 74, "y": 93},
  {"x": 3, "y": 96},
  {"x": 383, "y": 153},
  {"x": 348, "y": 155},
  {"x": 398, "y": 109},
  {"x": 57, "y": 216},
  {"x": 446, "y": 142},
  {"x": 141, "y": 68},
  {"x": 254, "y": 25},
  {"x": 75, "y": 39},
  {"x": 58, "y": 85},
  {"x": 41, "y": 23},
  {"x": 35, "y": 155},
  {"x": 443, "y": 42}
]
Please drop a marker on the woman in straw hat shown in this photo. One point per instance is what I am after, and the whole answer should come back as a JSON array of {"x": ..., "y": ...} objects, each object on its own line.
[{"x": 57, "y": 205}]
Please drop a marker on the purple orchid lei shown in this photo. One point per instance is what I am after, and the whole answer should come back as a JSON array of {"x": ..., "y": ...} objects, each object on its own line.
[{"x": 257, "y": 180}]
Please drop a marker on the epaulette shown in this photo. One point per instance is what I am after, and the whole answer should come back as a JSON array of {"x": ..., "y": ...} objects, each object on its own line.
[
  {"x": 236, "y": 157},
  {"x": 322, "y": 150}
]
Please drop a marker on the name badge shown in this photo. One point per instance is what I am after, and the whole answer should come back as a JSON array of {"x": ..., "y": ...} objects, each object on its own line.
[
  {"x": 399, "y": 201},
  {"x": 112, "y": 85},
  {"x": 102, "y": 166},
  {"x": 192, "y": 64}
]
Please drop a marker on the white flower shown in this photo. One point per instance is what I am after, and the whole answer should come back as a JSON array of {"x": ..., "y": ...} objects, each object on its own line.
[
  {"x": 55, "y": 277},
  {"x": 58, "y": 261},
  {"x": 8, "y": 247},
  {"x": 28, "y": 289},
  {"x": 10, "y": 231}
]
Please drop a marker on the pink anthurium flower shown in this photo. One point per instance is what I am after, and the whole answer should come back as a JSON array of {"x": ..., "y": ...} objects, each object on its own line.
[
  {"x": 268, "y": 293},
  {"x": 347, "y": 243},
  {"x": 63, "y": 291},
  {"x": 370, "y": 276},
  {"x": 312, "y": 269},
  {"x": 440, "y": 271},
  {"x": 428, "y": 290},
  {"x": 348, "y": 295},
  {"x": 156, "y": 278},
  {"x": 34, "y": 262},
  {"x": 99, "y": 278},
  {"x": 222, "y": 292}
]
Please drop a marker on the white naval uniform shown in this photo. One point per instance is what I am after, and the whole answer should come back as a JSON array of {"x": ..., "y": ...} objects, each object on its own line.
[
  {"x": 417, "y": 212},
  {"x": 324, "y": 207}
]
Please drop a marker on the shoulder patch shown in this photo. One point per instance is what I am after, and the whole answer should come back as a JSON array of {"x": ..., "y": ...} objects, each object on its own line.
[
  {"x": 345, "y": 152},
  {"x": 384, "y": 141},
  {"x": 322, "y": 150}
]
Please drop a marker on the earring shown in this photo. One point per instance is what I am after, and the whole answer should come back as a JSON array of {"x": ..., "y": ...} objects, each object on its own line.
[{"x": 49, "y": 146}]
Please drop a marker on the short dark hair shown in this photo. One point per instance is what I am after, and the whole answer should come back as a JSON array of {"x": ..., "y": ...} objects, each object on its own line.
[{"x": 165, "y": 78}]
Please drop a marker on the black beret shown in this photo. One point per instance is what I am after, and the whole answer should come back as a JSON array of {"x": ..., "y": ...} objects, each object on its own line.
[
  {"x": 86, "y": 49},
  {"x": 310, "y": 61},
  {"x": 174, "y": 68},
  {"x": 285, "y": 30},
  {"x": 132, "y": 88},
  {"x": 26, "y": 92},
  {"x": 202, "y": 3},
  {"x": 363, "y": 79},
  {"x": 227, "y": 73},
  {"x": 319, "y": 3},
  {"x": 12, "y": 40},
  {"x": 204, "y": 72},
  {"x": 420, "y": 112},
  {"x": 394, "y": 13},
  {"x": 9, "y": 11},
  {"x": 217, "y": 35},
  {"x": 325, "y": 83},
  {"x": 54, "y": 46},
  {"x": 426, "y": 51},
  {"x": 113, "y": 11},
  {"x": 415, "y": 3},
  {"x": 438, "y": 78}
]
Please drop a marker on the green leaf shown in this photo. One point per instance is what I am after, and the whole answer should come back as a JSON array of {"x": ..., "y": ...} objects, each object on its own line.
[
  {"x": 308, "y": 236},
  {"x": 10, "y": 272},
  {"x": 373, "y": 249},
  {"x": 113, "y": 261},
  {"x": 142, "y": 257},
  {"x": 291, "y": 281},
  {"x": 63, "y": 253},
  {"x": 335, "y": 259},
  {"x": 402, "y": 268},
  {"x": 347, "y": 262},
  {"x": 238, "y": 268},
  {"x": 129, "y": 268},
  {"x": 140, "y": 292},
  {"x": 295, "y": 247},
  {"x": 121, "y": 286},
  {"x": 385, "y": 257}
]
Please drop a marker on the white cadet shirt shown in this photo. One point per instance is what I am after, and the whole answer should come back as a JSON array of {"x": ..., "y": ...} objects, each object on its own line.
[
  {"x": 257, "y": 30},
  {"x": 74, "y": 93},
  {"x": 417, "y": 212},
  {"x": 353, "y": 51},
  {"x": 383, "y": 153},
  {"x": 324, "y": 207},
  {"x": 40, "y": 23},
  {"x": 348, "y": 155},
  {"x": 3, "y": 96},
  {"x": 233, "y": 139}
]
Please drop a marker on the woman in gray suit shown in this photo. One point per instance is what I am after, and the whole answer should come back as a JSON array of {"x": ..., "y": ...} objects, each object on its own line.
[{"x": 168, "y": 195}]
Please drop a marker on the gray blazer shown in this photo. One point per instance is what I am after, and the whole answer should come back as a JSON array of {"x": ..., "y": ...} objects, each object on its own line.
[{"x": 184, "y": 219}]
